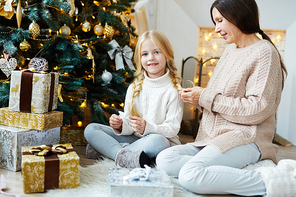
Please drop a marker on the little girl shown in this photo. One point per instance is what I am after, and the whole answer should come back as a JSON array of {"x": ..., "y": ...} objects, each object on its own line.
[{"x": 153, "y": 108}]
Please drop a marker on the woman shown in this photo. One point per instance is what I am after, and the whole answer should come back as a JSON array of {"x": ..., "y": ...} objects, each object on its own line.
[{"x": 239, "y": 106}]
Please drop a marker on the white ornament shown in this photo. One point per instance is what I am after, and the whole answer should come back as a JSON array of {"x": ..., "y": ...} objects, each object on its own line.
[
  {"x": 38, "y": 63},
  {"x": 107, "y": 77}
]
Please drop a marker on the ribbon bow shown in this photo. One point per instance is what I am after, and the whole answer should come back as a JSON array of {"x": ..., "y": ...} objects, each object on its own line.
[
  {"x": 119, "y": 54},
  {"x": 44, "y": 150},
  {"x": 139, "y": 174}
]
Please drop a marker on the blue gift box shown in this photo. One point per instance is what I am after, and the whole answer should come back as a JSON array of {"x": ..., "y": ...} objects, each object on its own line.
[{"x": 158, "y": 184}]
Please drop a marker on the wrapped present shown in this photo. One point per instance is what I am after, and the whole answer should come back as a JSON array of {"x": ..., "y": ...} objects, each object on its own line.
[
  {"x": 123, "y": 183},
  {"x": 33, "y": 92},
  {"x": 40, "y": 122},
  {"x": 49, "y": 167},
  {"x": 13, "y": 138},
  {"x": 73, "y": 135}
]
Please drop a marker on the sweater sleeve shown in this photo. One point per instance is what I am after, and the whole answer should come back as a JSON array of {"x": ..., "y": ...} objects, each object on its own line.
[
  {"x": 260, "y": 99},
  {"x": 171, "y": 126}
]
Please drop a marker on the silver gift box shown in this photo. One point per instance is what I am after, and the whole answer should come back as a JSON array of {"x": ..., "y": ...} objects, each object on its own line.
[
  {"x": 13, "y": 138},
  {"x": 158, "y": 184}
]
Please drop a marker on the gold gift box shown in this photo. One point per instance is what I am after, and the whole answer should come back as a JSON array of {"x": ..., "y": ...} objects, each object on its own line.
[
  {"x": 65, "y": 174},
  {"x": 40, "y": 122},
  {"x": 42, "y": 88}
]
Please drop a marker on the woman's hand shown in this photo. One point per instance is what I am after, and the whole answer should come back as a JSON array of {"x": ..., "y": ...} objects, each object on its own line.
[
  {"x": 138, "y": 124},
  {"x": 191, "y": 95},
  {"x": 115, "y": 122}
]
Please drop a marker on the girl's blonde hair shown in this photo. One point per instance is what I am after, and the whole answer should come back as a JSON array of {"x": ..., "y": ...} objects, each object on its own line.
[{"x": 162, "y": 42}]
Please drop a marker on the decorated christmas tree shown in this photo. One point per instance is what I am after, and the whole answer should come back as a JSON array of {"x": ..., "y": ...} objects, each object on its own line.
[{"x": 89, "y": 43}]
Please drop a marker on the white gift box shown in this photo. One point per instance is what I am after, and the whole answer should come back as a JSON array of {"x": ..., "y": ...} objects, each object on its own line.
[
  {"x": 158, "y": 184},
  {"x": 13, "y": 138},
  {"x": 33, "y": 92}
]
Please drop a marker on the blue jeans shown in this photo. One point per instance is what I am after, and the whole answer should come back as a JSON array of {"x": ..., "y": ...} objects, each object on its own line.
[
  {"x": 208, "y": 171},
  {"x": 105, "y": 141}
]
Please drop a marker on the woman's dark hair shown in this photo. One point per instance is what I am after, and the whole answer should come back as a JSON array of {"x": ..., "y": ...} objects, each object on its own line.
[{"x": 244, "y": 14}]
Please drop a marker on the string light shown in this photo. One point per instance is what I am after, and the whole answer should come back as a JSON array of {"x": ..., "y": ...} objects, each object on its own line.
[
  {"x": 104, "y": 105},
  {"x": 83, "y": 104},
  {"x": 279, "y": 37},
  {"x": 121, "y": 105},
  {"x": 210, "y": 73},
  {"x": 203, "y": 51},
  {"x": 97, "y": 3},
  {"x": 196, "y": 80},
  {"x": 215, "y": 46},
  {"x": 79, "y": 124}
]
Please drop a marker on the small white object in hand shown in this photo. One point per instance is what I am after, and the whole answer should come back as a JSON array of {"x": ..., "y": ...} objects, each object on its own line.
[{"x": 124, "y": 117}]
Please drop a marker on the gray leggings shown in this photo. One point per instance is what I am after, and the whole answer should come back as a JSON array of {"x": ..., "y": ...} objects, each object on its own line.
[
  {"x": 208, "y": 171},
  {"x": 105, "y": 141}
]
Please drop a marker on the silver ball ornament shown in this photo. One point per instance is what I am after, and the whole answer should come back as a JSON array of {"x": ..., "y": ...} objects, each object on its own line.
[
  {"x": 106, "y": 77},
  {"x": 86, "y": 26},
  {"x": 65, "y": 30}
]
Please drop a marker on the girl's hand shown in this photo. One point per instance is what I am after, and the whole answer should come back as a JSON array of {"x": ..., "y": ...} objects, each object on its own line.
[
  {"x": 138, "y": 124},
  {"x": 115, "y": 122},
  {"x": 191, "y": 95}
]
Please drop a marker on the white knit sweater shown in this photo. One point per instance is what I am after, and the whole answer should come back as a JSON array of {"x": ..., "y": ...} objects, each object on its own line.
[
  {"x": 240, "y": 101},
  {"x": 160, "y": 105}
]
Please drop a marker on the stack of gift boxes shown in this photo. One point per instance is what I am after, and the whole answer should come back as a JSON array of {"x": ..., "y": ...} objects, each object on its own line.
[{"x": 32, "y": 120}]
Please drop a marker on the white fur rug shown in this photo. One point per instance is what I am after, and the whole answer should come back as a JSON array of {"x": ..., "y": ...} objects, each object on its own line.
[{"x": 94, "y": 181}]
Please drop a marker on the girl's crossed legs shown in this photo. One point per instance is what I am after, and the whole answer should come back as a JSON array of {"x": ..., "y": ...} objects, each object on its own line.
[{"x": 105, "y": 141}]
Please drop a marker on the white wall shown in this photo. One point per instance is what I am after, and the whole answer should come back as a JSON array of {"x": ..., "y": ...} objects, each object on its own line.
[
  {"x": 274, "y": 14},
  {"x": 286, "y": 125},
  {"x": 179, "y": 28}
]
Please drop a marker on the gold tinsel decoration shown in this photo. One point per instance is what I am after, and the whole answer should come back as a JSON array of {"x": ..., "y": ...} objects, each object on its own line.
[
  {"x": 108, "y": 31},
  {"x": 123, "y": 19},
  {"x": 73, "y": 8},
  {"x": 9, "y": 11},
  {"x": 25, "y": 46},
  {"x": 34, "y": 29},
  {"x": 90, "y": 56}
]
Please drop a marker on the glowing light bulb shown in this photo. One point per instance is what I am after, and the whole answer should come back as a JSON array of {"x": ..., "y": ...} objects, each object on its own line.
[
  {"x": 79, "y": 124},
  {"x": 215, "y": 46},
  {"x": 210, "y": 73}
]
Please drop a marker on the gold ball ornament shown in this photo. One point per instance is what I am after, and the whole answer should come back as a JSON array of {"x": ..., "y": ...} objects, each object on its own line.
[
  {"x": 98, "y": 29},
  {"x": 25, "y": 46},
  {"x": 34, "y": 29},
  {"x": 65, "y": 30},
  {"x": 86, "y": 26}
]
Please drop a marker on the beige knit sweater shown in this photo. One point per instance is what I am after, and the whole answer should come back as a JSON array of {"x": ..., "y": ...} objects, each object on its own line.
[{"x": 240, "y": 101}]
